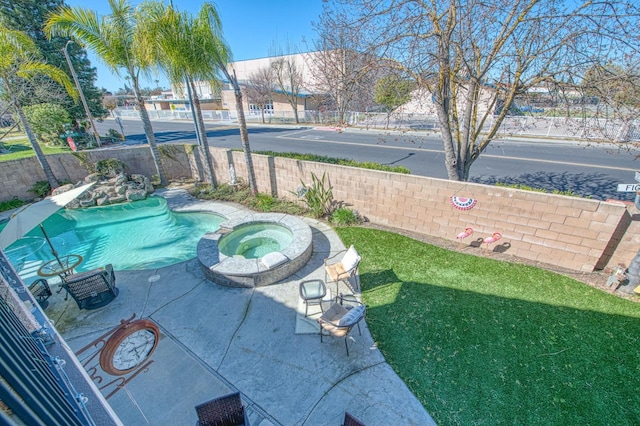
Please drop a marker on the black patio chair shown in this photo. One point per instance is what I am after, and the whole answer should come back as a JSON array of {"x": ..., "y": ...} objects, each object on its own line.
[
  {"x": 223, "y": 411},
  {"x": 92, "y": 289},
  {"x": 41, "y": 291}
]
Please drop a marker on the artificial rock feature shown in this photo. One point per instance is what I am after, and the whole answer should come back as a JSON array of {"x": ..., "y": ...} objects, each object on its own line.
[{"x": 111, "y": 190}]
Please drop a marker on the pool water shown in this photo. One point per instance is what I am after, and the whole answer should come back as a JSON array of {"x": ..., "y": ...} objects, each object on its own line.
[
  {"x": 138, "y": 235},
  {"x": 255, "y": 240}
]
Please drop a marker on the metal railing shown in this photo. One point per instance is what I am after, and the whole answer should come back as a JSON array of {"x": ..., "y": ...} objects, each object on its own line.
[
  {"x": 212, "y": 115},
  {"x": 533, "y": 126}
]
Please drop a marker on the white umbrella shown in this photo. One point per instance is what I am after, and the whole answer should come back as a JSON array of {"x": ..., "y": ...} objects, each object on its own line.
[{"x": 34, "y": 214}]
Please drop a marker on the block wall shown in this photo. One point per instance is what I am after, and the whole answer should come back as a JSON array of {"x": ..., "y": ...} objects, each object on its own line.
[
  {"x": 18, "y": 176},
  {"x": 569, "y": 232}
]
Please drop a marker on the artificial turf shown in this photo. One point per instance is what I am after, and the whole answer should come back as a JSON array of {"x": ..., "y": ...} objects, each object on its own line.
[{"x": 487, "y": 342}]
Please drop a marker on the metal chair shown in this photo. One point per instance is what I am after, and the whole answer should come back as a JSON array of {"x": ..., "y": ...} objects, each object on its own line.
[
  {"x": 312, "y": 292},
  {"x": 339, "y": 320},
  {"x": 92, "y": 289},
  {"x": 343, "y": 270},
  {"x": 41, "y": 291},
  {"x": 223, "y": 411}
]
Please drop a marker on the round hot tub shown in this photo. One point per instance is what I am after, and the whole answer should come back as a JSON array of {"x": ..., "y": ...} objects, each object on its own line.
[
  {"x": 254, "y": 240},
  {"x": 255, "y": 250}
]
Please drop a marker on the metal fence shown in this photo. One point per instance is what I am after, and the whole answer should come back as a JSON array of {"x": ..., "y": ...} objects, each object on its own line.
[
  {"x": 211, "y": 115},
  {"x": 534, "y": 126}
]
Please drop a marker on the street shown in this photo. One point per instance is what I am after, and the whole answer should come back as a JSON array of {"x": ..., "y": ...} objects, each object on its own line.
[{"x": 590, "y": 170}]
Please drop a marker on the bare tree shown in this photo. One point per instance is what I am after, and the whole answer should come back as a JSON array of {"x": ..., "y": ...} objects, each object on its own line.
[
  {"x": 475, "y": 57},
  {"x": 260, "y": 88},
  {"x": 289, "y": 79},
  {"x": 338, "y": 66},
  {"x": 612, "y": 92}
]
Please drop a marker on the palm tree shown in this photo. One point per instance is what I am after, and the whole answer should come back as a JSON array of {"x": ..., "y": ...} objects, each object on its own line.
[
  {"x": 170, "y": 40},
  {"x": 113, "y": 39},
  {"x": 218, "y": 55},
  {"x": 20, "y": 57},
  {"x": 190, "y": 49}
]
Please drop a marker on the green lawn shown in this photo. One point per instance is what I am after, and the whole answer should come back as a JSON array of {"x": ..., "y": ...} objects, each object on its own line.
[
  {"x": 21, "y": 148},
  {"x": 481, "y": 341}
]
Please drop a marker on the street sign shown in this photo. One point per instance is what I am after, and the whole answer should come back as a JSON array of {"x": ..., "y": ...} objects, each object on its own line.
[
  {"x": 628, "y": 187},
  {"x": 637, "y": 176}
]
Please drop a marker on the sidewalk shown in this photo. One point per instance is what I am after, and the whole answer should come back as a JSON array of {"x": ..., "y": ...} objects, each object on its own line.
[{"x": 216, "y": 340}]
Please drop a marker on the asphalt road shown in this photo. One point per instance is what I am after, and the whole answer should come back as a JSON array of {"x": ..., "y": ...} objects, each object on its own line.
[{"x": 590, "y": 170}]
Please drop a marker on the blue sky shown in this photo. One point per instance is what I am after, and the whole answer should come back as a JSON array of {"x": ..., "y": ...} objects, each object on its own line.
[{"x": 251, "y": 27}]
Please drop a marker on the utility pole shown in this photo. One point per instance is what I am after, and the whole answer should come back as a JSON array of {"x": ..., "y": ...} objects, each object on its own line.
[{"x": 84, "y": 101}]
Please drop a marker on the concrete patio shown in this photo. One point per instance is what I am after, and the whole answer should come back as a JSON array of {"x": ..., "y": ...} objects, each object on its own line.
[{"x": 216, "y": 340}]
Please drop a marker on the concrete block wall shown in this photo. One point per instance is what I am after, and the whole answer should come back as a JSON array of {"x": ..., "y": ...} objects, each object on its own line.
[
  {"x": 18, "y": 176},
  {"x": 569, "y": 232}
]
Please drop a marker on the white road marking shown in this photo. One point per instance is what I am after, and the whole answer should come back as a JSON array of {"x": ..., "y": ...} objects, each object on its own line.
[{"x": 440, "y": 151}]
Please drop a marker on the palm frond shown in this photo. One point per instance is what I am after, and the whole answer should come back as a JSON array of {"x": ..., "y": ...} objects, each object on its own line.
[
  {"x": 15, "y": 46},
  {"x": 28, "y": 70}
]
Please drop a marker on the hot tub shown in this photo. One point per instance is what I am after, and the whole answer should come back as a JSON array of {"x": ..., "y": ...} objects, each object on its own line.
[{"x": 255, "y": 250}]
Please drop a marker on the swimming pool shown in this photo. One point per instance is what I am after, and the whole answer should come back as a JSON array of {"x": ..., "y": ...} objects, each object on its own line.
[{"x": 138, "y": 235}]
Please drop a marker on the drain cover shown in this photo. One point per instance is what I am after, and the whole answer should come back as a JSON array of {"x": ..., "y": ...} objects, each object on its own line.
[{"x": 153, "y": 278}]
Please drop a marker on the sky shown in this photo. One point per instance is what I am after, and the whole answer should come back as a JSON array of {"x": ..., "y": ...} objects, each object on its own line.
[{"x": 251, "y": 28}]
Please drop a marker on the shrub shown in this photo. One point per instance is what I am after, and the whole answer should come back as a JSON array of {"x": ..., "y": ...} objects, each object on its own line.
[
  {"x": 110, "y": 167},
  {"x": 236, "y": 193},
  {"x": 345, "y": 217},
  {"x": 113, "y": 135},
  {"x": 11, "y": 204},
  {"x": 40, "y": 189},
  {"x": 262, "y": 202},
  {"x": 241, "y": 194},
  {"x": 47, "y": 121},
  {"x": 317, "y": 196}
]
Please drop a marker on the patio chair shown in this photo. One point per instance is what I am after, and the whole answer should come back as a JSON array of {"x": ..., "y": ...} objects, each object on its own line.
[
  {"x": 349, "y": 420},
  {"x": 343, "y": 270},
  {"x": 92, "y": 289},
  {"x": 41, "y": 291},
  {"x": 223, "y": 411},
  {"x": 339, "y": 320}
]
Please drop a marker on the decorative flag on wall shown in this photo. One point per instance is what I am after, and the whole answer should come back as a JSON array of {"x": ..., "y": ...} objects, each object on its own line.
[{"x": 463, "y": 203}]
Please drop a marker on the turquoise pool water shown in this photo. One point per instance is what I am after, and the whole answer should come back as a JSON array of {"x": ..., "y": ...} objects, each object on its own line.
[{"x": 139, "y": 235}]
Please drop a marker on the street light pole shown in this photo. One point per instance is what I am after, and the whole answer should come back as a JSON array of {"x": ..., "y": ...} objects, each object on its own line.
[{"x": 84, "y": 101}]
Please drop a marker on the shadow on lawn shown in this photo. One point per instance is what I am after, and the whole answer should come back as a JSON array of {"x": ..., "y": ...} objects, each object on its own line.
[{"x": 479, "y": 358}]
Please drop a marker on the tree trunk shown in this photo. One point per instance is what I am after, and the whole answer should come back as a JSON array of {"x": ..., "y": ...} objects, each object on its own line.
[
  {"x": 242, "y": 123},
  {"x": 203, "y": 134},
  {"x": 244, "y": 137},
  {"x": 148, "y": 131},
  {"x": 294, "y": 106},
  {"x": 53, "y": 182}
]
